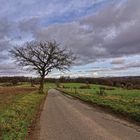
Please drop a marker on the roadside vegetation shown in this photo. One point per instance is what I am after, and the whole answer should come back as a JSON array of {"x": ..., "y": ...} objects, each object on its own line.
[
  {"x": 18, "y": 107},
  {"x": 119, "y": 100},
  {"x": 19, "y": 104}
]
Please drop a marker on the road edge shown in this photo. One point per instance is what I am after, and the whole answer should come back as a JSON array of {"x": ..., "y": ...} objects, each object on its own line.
[
  {"x": 33, "y": 133},
  {"x": 104, "y": 109}
]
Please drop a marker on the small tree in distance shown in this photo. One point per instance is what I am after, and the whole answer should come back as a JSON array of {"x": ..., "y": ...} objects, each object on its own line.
[{"x": 43, "y": 57}]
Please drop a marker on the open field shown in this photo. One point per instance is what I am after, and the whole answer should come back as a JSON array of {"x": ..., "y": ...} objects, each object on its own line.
[
  {"x": 8, "y": 94},
  {"x": 123, "y": 101},
  {"x": 18, "y": 106}
]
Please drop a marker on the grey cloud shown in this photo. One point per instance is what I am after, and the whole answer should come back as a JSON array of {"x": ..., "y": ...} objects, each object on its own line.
[
  {"x": 114, "y": 15},
  {"x": 125, "y": 19},
  {"x": 9, "y": 69},
  {"x": 7, "y": 66},
  {"x": 118, "y": 70},
  {"x": 111, "y": 32},
  {"x": 4, "y": 45},
  {"x": 76, "y": 37},
  {"x": 30, "y": 25},
  {"x": 5, "y": 27},
  {"x": 118, "y": 61},
  {"x": 8, "y": 32},
  {"x": 126, "y": 66}
]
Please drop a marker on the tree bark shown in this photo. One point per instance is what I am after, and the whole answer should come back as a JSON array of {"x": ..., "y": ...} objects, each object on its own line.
[{"x": 41, "y": 87}]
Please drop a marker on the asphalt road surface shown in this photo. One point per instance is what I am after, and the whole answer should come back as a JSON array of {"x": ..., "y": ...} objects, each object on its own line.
[{"x": 66, "y": 118}]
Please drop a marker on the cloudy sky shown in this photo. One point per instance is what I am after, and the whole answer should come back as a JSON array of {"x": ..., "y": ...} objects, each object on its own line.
[{"x": 104, "y": 34}]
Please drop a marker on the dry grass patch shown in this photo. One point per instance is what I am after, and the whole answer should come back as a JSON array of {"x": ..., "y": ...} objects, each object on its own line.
[
  {"x": 14, "y": 90},
  {"x": 8, "y": 94}
]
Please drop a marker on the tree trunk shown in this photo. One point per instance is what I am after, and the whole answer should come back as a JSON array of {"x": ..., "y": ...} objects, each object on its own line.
[{"x": 41, "y": 88}]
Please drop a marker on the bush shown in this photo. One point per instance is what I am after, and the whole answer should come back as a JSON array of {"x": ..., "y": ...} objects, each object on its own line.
[
  {"x": 66, "y": 87},
  {"x": 101, "y": 92},
  {"x": 57, "y": 84},
  {"x": 14, "y": 82}
]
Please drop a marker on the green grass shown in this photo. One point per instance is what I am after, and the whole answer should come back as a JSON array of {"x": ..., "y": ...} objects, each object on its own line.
[
  {"x": 123, "y": 101},
  {"x": 8, "y": 95},
  {"x": 5, "y": 100},
  {"x": 49, "y": 85},
  {"x": 18, "y": 107},
  {"x": 15, "y": 119}
]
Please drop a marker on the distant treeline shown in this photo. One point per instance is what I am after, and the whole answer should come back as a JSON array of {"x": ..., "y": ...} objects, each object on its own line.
[
  {"x": 14, "y": 78},
  {"x": 128, "y": 82}
]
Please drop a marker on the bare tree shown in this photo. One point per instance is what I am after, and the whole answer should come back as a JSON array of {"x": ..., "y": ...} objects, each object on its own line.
[{"x": 43, "y": 57}]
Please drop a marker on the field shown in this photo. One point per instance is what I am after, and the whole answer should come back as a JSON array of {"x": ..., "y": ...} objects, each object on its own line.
[
  {"x": 18, "y": 106},
  {"x": 119, "y": 100}
]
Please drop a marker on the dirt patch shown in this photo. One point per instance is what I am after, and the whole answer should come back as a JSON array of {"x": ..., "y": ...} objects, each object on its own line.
[
  {"x": 8, "y": 94},
  {"x": 14, "y": 90},
  {"x": 113, "y": 97}
]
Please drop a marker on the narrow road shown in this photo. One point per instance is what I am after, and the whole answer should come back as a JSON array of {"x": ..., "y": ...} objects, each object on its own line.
[{"x": 66, "y": 118}]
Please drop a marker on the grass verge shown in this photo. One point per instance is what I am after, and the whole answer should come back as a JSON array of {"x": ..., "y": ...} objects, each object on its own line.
[
  {"x": 15, "y": 119},
  {"x": 130, "y": 110}
]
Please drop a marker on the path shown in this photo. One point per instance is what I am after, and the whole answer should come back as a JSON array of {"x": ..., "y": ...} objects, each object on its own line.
[{"x": 66, "y": 118}]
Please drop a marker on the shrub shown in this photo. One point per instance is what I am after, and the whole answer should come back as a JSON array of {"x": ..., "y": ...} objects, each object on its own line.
[
  {"x": 101, "y": 91},
  {"x": 14, "y": 82},
  {"x": 57, "y": 84},
  {"x": 66, "y": 87}
]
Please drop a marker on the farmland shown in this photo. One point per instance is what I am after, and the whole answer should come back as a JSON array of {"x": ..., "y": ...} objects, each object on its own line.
[
  {"x": 119, "y": 100},
  {"x": 18, "y": 106}
]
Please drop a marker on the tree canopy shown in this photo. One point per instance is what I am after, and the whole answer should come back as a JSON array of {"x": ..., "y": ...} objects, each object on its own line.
[{"x": 43, "y": 57}]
